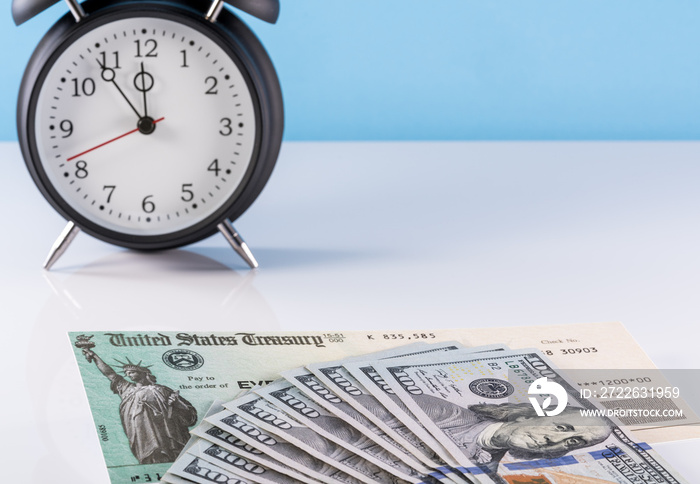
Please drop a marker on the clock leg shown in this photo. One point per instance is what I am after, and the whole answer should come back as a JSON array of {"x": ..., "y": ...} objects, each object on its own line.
[
  {"x": 237, "y": 242},
  {"x": 61, "y": 244}
]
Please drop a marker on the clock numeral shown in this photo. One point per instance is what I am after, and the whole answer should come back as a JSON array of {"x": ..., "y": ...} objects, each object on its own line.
[
  {"x": 226, "y": 129},
  {"x": 148, "y": 44},
  {"x": 67, "y": 127},
  {"x": 111, "y": 191},
  {"x": 104, "y": 63},
  {"x": 214, "y": 166},
  {"x": 81, "y": 169},
  {"x": 87, "y": 87},
  {"x": 188, "y": 195},
  {"x": 147, "y": 205},
  {"x": 184, "y": 58},
  {"x": 211, "y": 80}
]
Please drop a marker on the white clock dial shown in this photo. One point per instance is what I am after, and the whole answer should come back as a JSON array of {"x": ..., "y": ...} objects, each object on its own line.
[{"x": 145, "y": 126}]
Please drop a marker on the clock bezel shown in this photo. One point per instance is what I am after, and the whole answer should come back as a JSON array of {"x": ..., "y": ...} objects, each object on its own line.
[{"x": 239, "y": 43}]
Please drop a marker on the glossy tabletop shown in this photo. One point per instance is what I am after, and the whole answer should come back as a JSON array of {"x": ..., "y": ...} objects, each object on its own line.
[{"x": 362, "y": 236}]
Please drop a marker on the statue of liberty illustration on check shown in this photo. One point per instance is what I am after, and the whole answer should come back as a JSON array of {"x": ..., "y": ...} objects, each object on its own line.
[{"x": 155, "y": 418}]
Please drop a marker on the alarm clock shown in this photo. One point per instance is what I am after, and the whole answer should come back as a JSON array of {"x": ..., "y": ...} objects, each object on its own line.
[{"x": 150, "y": 124}]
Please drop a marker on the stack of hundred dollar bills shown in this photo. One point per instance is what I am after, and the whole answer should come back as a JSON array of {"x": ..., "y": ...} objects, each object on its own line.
[{"x": 422, "y": 413}]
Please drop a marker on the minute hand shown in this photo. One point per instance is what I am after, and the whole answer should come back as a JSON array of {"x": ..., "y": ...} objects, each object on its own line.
[
  {"x": 144, "y": 82},
  {"x": 109, "y": 75}
]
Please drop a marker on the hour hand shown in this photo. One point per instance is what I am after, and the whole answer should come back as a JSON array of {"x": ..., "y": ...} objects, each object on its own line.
[{"x": 109, "y": 75}]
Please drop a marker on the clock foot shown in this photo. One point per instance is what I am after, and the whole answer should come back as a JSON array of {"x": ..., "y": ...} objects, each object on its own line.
[
  {"x": 237, "y": 242},
  {"x": 61, "y": 244}
]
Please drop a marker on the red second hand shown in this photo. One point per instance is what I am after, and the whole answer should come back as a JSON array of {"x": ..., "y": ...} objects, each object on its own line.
[{"x": 110, "y": 141}]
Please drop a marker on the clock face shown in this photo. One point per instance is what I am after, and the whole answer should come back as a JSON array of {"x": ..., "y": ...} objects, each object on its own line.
[{"x": 145, "y": 126}]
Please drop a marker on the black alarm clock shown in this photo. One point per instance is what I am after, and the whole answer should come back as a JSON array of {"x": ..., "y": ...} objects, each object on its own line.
[{"x": 150, "y": 124}]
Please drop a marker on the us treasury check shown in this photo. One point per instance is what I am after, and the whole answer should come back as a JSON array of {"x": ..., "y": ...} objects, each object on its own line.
[{"x": 185, "y": 372}]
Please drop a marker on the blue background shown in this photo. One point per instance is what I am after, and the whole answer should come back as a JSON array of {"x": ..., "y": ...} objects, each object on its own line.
[{"x": 463, "y": 70}]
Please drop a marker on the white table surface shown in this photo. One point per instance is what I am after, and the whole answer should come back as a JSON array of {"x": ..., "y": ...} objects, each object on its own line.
[{"x": 363, "y": 236}]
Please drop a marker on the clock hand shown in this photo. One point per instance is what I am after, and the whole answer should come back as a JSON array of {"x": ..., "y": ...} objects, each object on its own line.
[
  {"x": 109, "y": 75},
  {"x": 144, "y": 85},
  {"x": 110, "y": 141}
]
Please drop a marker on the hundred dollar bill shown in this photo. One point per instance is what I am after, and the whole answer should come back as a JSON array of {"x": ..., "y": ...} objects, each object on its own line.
[
  {"x": 480, "y": 407},
  {"x": 238, "y": 465},
  {"x": 269, "y": 417},
  {"x": 147, "y": 390},
  {"x": 226, "y": 440},
  {"x": 203, "y": 472},
  {"x": 279, "y": 449},
  {"x": 207, "y": 432},
  {"x": 294, "y": 403}
]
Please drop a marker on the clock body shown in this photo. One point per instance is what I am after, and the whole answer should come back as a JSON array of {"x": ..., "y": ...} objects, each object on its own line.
[{"x": 146, "y": 124}]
